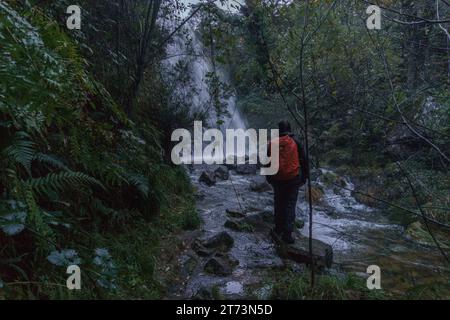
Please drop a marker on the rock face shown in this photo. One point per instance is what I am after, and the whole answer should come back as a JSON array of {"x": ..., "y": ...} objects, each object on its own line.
[
  {"x": 208, "y": 177},
  {"x": 260, "y": 184}
]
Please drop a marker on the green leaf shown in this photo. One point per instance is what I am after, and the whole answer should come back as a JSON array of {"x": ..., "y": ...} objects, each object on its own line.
[
  {"x": 65, "y": 257},
  {"x": 13, "y": 223}
]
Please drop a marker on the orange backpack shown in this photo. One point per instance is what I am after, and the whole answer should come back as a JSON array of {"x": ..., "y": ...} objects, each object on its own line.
[{"x": 289, "y": 162}]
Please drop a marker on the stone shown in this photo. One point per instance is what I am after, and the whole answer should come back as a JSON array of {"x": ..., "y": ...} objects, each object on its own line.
[
  {"x": 222, "y": 172},
  {"x": 232, "y": 224},
  {"x": 260, "y": 184},
  {"x": 201, "y": 250},
  {"x": 238, "y": 225},
  {"x": 299, "y": 251},
  {"x": 218, "y": 266},
  {"x": 221, "y": 241},
  {"x": 261, "y": 221},
  {"x": 203, "y": 294},
  {"x": 299, "y": 224},
  {"x": 208, "y": 177},
  {"x": 315, "y": 174},
  {"x": 235, "y": 213},
  {"x": 246, "y": 169}
]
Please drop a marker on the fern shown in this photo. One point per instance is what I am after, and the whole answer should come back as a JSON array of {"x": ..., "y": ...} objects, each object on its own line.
[
  {"x": 21, "y": 151},
  {"x": 50, "y": 160},
  {"x": 99, "y": 206},
  {"x": 57, "y": 182},
  {"x": 140, "y": 182}
]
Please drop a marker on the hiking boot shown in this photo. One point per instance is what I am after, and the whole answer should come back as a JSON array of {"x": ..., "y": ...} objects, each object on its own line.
[{"x": 288, "y": 238}]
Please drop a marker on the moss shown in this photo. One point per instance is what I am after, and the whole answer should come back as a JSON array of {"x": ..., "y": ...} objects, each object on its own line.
[{"x": 316, "y": 194}]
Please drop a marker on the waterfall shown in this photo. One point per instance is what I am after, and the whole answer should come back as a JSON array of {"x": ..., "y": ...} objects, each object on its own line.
[
  {"x": 188, "y": 47},
  {"x": 188, "y": 50}
]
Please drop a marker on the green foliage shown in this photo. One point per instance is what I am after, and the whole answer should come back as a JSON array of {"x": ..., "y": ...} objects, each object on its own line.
[
  {"x": 75, "y": 171},
  {"x": 327, "y": 287}
]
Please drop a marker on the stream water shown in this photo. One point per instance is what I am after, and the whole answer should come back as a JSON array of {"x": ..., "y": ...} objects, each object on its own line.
[{"x": 360, "y": 236}]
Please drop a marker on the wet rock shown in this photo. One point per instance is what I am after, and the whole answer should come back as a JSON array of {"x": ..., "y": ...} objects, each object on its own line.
[
  {"x": 299, "y": 224},
  {"x": 316, "y": 194},
  {"x": 219, "y": 265},
  {"x": 222, "y": 173},
  {"x": 299, "y": 251},
  {"x": 260, "y": 221},
  {"x": 238, "y": 225},
  {"x": 418, "y": 233},
  {"x": 201, "y": 250},
  {"x": 246, "y": 169},
  {"x": 208, "y": 177},
  {"x": 232, "y": 224},
  {"x": 235, "y": 213},
  {"x": 367, "y": 200},
  {"x": 315, "y": 173},
  {"x": 260, "y": 184},
  {"x": 332, "y": 179},
  {"x": 203, "y": 294},
  {"x": 221, "y": 241},
  {"x": 234, "y": 288}
]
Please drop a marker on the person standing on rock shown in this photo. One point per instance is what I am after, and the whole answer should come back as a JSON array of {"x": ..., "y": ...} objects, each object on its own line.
[{"x": 291, "y": 175}]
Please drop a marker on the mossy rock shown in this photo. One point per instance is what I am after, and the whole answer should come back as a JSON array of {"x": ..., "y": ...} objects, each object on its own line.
[
  {"x": 299, "y": 224},
  {"x": 331, "y": 178},
  {"x": 238, "y": 225},
  {"x": 316, "y": 194},
  {"x": 417, "y": 232}
]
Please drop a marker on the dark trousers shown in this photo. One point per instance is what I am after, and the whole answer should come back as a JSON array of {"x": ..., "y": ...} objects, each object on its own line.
[{"x": 285, "y": 202}]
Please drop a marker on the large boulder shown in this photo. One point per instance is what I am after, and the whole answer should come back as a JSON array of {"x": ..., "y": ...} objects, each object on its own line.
[{"x": 208, "y": 177}]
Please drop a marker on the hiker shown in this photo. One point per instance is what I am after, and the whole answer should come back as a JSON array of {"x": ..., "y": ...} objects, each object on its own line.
[{"x": 291, "y": 175}]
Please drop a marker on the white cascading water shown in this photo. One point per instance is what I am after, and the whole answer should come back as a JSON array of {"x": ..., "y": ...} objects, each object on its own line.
[{"x": 200, "y": 65}]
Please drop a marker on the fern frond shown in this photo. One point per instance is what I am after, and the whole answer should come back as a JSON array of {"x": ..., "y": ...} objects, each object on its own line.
[
  {"x": 61, "y": 181},
  {"x": 50, "y": 160},
  {"x": 140, "y": 182},
  {"x": 21, "y": 151},
  {"x": 99, "y": 206}
]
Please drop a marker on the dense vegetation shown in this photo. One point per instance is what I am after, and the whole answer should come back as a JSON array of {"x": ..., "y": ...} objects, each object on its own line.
[
  {"x": 86, "y": 117},
  {"x": 80, "y": 181}
]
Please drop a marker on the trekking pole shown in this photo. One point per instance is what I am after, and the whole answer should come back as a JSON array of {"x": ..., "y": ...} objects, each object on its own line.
[{"x": 308, "y": 175}]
